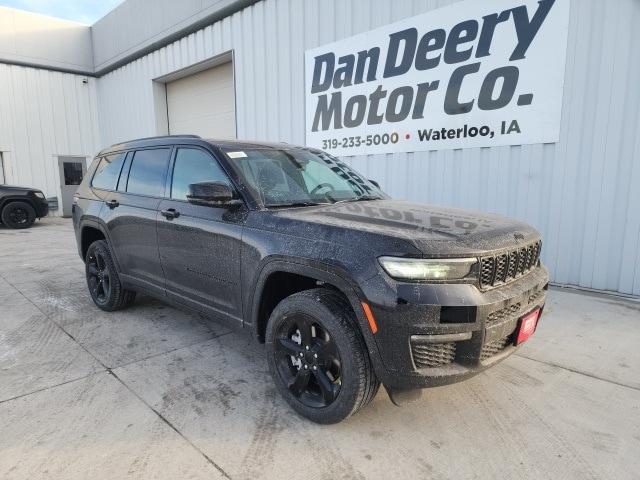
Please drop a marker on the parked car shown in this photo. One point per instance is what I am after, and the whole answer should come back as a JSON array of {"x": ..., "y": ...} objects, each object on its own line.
[
  {"x": 345, "y": 286},
  {"x": 20, "y": 206}
]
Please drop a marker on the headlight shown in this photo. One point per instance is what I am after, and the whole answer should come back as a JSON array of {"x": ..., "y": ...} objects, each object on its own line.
[
  {"x": 427, "y": 269},
  {"x": 40, "y": 195}
]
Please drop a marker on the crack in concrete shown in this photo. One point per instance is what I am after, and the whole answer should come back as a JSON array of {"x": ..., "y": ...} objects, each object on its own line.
[
  {"x": 110, "y": 371},
  {"x": 170, "y": 425},
  {"x": 194, "y": 344},
  {"x": 572, "y": 370},
  {"x": 44, "y": 389}
]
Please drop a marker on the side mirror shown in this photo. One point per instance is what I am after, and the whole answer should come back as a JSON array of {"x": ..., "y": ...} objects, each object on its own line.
[
  {"x": 375, "y": 183},
  {"x": 211, "y": 193}
]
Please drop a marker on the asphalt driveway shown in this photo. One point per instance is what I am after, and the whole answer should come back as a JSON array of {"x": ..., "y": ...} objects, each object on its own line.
[{"x": 153, "y": 392}]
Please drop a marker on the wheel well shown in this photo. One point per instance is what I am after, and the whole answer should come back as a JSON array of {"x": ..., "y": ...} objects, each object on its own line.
[
  {"x": 13, "y": 200},
  {"x": 89, "y": 235},
  {"x": 277, "y": 287}
]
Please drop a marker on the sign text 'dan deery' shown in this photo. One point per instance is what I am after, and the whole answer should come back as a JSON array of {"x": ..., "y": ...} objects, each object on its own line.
[{"x": 472, "y": 74}]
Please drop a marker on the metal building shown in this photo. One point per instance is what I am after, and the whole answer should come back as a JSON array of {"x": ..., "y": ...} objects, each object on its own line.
[{"x": 237, "y": 68}]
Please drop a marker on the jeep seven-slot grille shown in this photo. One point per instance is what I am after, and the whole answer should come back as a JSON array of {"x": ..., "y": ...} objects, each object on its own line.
[
  {"x": 506, "y": 266},
  {"x": 428, "y": 355}
]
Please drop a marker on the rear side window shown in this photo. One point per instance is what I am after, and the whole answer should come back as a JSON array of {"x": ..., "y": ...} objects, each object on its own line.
[
  {"x": 193, "y": 166},
  {"x": 108, "y": 172},
  {"x": 146, "y": 176}
]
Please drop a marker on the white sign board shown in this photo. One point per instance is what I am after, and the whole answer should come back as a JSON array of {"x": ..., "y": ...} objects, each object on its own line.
[{"x": 473, "y": 74}]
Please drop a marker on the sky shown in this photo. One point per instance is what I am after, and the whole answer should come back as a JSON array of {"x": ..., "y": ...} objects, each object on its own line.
[{"x": 83, "y": 11}]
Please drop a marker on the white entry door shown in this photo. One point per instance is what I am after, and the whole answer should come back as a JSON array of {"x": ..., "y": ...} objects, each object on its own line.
[{"x": 203, "y": 104}]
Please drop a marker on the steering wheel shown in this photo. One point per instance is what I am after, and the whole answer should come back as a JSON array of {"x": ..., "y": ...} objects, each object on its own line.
[{"x": 323, "y": 185}]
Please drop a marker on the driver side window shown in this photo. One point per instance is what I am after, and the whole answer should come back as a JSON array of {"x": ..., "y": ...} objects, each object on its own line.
[{"x": 193, "y": 165}]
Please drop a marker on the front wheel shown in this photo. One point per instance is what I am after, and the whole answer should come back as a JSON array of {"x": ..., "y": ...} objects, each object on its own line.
[
  {"x": 18, "y": 215},
  {"x": 103, "y": 280},
  {"x": 318, "y": 358}
]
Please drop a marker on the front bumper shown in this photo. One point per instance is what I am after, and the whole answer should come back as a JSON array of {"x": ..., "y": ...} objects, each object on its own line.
[
  {"x": 42, "y": 208},
  {"x": 436, "y": 334}
]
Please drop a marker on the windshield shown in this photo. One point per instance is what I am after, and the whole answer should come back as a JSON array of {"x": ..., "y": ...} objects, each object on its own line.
[{"x": 299, "y": 177}]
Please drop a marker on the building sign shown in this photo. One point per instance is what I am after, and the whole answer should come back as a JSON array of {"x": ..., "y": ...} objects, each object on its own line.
[{"x": 472, "y": 74}]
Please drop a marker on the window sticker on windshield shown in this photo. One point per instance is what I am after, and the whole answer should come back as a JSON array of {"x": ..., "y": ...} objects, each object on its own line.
[{"x": 237, "y": 155}]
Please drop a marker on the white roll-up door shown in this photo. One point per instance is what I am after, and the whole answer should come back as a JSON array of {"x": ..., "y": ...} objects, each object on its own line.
[{"x": 203, "y": 103}]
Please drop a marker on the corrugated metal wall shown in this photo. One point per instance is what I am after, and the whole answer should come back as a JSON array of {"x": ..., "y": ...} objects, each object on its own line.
[
  {"x": 44, "y": 114},
  {"x": 583, "y": 193}
]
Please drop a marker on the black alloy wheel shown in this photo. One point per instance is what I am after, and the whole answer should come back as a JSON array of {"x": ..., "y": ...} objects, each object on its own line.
[
  {"x": 103, "y": 280},
  {"x": 317, "y": 356},
  {"x": 98, "y": 277},
  {"x": 18, "y": 215},
  {"x": 308, "y": 361}
]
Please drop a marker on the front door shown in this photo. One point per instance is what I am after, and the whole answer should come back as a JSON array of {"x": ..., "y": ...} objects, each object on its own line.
[
  {"x": 72, "y": 170},
  {"x": 200, "y": 244}
]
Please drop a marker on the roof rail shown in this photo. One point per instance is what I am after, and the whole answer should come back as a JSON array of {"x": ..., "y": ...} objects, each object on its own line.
[
  {"x": 163, "y": 136},
  {"x": 155, "y": 138}
]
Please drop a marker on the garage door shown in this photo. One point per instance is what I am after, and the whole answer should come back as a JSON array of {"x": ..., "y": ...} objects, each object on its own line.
[{"x": 203, "y": 103}]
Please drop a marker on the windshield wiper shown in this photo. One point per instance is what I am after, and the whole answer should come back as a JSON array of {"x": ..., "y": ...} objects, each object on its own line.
[
  {"x": 358, "y": 198},
  {"x": 295, "y": 204}
]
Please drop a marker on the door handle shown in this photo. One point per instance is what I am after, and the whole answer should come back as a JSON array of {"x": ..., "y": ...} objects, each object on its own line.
[
  {"x": 170, "y": 213},
  {"x": 112, "y": 203}
]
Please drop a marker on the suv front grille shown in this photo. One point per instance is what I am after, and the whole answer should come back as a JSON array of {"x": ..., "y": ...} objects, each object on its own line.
[
  {"x": 536, "y": 296},
  {"x": 504, "y": 267},
  {"x": 507, "y": 312},
  {"x": 511, "y": 311},
  {"x": 493, "y": 348},
  {"x": 429, "y": 355}
]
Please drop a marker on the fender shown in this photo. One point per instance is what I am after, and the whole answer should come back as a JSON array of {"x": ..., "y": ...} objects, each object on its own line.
[
  {"x": 98, "y": 224},
  {"x": 331, "y": 274},
  {"x": 14, "y": 198}
]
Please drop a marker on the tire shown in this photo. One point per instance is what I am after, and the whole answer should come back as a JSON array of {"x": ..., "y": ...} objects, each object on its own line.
[
  {"x": 103, "y": 281},
  {"x": 323, "y": 320},
  {"x": 18, "y": 215}
]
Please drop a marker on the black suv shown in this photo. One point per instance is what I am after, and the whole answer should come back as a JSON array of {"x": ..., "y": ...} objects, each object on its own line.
[
  {"x": 347, "y": 288},
  {"x": 20, "y": 206}
]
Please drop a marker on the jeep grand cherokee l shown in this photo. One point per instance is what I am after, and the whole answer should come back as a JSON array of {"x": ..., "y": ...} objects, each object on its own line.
[{"x": 347, "y": 287}]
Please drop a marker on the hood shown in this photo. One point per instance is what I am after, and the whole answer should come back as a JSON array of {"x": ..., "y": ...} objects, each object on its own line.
[
  {"x": 15, "y": 188},
  {"x": 433, "y": 230}
]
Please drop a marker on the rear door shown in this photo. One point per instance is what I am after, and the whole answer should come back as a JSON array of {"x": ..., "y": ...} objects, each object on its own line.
[
  {"x": 200, "y": 244},
  {"x": 131, "y": 213}
]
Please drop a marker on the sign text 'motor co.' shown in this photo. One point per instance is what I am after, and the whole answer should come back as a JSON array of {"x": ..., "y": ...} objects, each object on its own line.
[{"x": 444, "y": 69}]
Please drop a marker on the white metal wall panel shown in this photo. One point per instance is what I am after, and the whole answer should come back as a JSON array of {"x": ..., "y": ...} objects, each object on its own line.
[
  {"x": 203, "y": 103},
  {"x": 33, "y": 39},
  {"x": 581, "y": 193},
  {"x": 44, "y": 114},
  {"x": 138, "y": 24}
]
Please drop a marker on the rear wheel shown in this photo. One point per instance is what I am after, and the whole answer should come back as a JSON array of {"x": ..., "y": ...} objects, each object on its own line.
[
  {"x": 103, "y": 280},
  {"x": 18, "y": 215},
  {"x": 318, "y": 358}
]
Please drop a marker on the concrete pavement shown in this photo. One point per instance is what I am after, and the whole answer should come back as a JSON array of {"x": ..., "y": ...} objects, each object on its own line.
[{"x": 153, "y": 392}]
